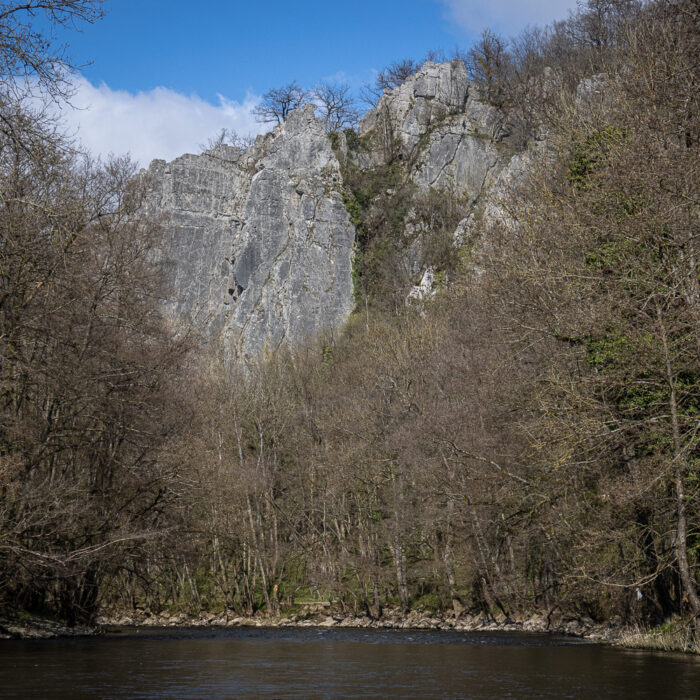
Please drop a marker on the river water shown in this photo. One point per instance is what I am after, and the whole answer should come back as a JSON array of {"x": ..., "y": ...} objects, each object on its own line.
[{"x": 337, "y": 663}]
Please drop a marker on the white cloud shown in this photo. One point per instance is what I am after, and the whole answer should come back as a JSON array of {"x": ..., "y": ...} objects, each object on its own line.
[
  {"x": 160, "y": 123},
  {"x": 506, "y": 17}
]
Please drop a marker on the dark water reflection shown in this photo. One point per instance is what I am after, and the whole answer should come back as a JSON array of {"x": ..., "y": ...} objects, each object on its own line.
[{"x": 336, "y": 663}]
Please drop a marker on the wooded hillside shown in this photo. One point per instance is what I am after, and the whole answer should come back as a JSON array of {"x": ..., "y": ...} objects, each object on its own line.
[{"x": 524, "y": 440}]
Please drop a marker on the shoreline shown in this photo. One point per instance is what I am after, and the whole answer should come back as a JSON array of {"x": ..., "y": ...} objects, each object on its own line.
[
  {"x": 611, "y": 632},
  {"x": 38, "y": 628},
  {"x": 12, "y": 628}
]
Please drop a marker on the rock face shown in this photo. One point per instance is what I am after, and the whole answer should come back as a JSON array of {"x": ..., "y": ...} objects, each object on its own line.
[
  {"x": 446, "y": 133},
  {"x": 258, "y": 242},
  {"x": 423, "y": 100},
  {"x": 199, "y": 198},
  {"x": 456, "y": 158},
  {"x": 452, "y": 140}
]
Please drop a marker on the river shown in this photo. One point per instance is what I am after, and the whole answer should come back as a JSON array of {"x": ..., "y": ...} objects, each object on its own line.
[{"x": 337, "y": 663}]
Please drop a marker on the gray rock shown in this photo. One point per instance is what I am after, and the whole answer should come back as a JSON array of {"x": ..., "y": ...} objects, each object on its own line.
[
  {"x": 450, "y": 140},
  {"x": 425, "y": 289},
  {"x": 258, "y": 244},
  {"x": 593, "y": 93},
  {"x": 457, "y": 158},
  {"x": 423, "y": 100},
  {"x": 197, "y": 198},
  {"x": 443, "y": 128}
]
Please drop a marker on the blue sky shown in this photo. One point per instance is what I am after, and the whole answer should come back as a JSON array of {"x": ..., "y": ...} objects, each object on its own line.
[{"x": 167, "y": 75}]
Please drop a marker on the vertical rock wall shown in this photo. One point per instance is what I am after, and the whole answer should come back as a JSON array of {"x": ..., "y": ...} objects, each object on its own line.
[{"x": 258, "y": 243}]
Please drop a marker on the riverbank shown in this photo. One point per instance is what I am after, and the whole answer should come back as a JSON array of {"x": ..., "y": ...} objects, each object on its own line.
[
  {"x": 26, "y": 626},
  {"x": 391, "y": 619},
  {"x": 675, "y": 635},
  {"x": 30, "y": 627}
]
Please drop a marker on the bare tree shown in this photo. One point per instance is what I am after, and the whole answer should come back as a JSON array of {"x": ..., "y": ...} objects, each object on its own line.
[
  {"x": 277, "y": 103},
  {"x": 395, "y": 74},
  {"x": 369, "y": 95},
  {"x": 27, "y": 51},
  {"x": 85, "y": 399},
  {"x": 489, "y": 64},
  {"x": 229, "y": 137},
  {"x": 389, "y": 78},
  {"x": 85, "y": 402},
  {"x": 601, "y": 24},
  {"x": 336, "y": 104}
]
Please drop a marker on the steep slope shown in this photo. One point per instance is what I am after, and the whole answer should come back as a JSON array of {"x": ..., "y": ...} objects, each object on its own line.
[
  {"x": 458, "y": 158},
  {"x": 258, "y": 242},
  {"x": 436, "y": 122}
]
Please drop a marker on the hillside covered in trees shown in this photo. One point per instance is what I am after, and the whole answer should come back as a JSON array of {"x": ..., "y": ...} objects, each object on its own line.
[{"x": 517, "y": 435}]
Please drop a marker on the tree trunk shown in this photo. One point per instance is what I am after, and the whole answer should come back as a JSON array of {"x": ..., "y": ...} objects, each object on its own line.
[{"x": 689, "y": 587}]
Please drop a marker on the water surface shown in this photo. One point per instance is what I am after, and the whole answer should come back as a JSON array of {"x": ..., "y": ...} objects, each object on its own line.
[{"x": 337, "y": 663}]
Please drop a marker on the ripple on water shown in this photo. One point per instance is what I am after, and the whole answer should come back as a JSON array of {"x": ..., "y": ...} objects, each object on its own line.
[{"x": 338, "y": 662}]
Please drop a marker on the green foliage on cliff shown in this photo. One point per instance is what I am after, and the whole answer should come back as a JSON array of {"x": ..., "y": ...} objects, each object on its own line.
[{"x": 590, "y": 153}]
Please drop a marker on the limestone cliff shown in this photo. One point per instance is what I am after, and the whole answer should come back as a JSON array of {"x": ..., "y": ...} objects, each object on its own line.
[
  {"x": 445, "y": 132},
  {"x": 257, "y": 241},
  {"x": 451, "y": 140}
]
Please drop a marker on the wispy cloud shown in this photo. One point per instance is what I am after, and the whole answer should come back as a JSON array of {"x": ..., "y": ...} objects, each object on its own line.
[
  {"x": 506, "y": 17},
  {"x": 354, "y": 81},
  {"x": 160, "y": 123}
]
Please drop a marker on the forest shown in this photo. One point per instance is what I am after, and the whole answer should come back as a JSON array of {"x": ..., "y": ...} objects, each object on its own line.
[{"x": 525, "y": 440}]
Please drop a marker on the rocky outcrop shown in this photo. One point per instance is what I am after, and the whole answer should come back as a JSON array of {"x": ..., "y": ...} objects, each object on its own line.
[
  {"x": 456, "y": 157},
  {"x": 26, "y": 626},
  {"x": 258, "y": 244},
  {"x": 199, "y": 199},
  {"x": 440, "y": 126},
  {"x": 449, "y": 139},
  {"x": 424, "y": 99}
]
